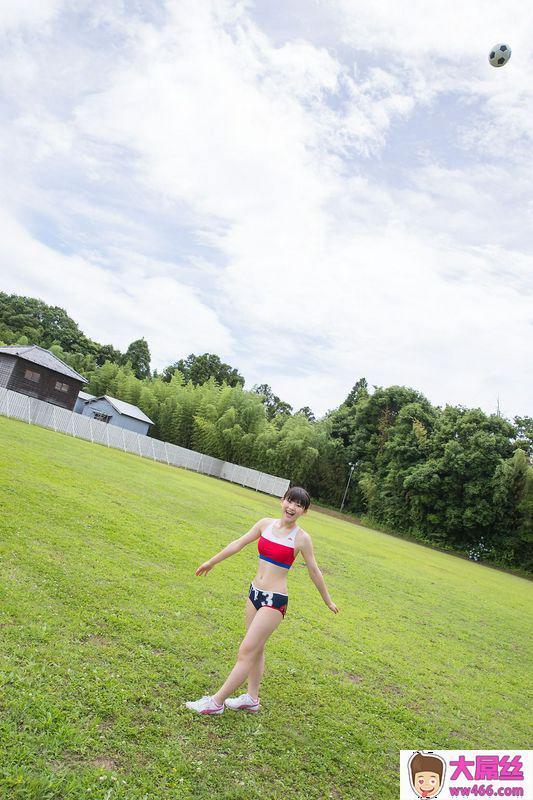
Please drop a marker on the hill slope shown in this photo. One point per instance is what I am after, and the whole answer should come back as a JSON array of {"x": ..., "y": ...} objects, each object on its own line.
[{"x": 106, "y": 631}]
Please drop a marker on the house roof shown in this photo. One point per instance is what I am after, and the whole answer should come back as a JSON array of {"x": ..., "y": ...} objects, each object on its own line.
[
  {"x": 44, "y": 358},
  {"x": 127, "y": 409},
  {"x": 85, "y": 396}
]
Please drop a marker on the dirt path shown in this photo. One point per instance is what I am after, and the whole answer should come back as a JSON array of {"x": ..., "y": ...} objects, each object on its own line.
[{"x": 331, "y": 513}]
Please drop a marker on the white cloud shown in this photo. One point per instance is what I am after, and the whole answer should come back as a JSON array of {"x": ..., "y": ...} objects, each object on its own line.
[
  {"x": 27, "y": 14},
  {"x": 450, "y": 29},
  {"x": 327, "y": 261},
  {"x": 112, "y": 306}
]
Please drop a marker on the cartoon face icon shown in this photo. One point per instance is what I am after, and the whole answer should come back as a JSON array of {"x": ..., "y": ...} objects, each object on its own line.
[
  {"x": 427, "y": 783},
  {"x": 426, "y": 773}
]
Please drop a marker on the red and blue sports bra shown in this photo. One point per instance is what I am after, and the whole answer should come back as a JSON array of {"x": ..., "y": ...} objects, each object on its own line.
[{"x": 278, "y": 550}]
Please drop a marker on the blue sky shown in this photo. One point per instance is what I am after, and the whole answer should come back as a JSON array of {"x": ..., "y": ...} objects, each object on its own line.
[{"x": 315, "y": 191}]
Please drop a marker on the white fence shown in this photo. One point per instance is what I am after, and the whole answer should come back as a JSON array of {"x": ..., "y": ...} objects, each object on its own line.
[{"x": 37, "y": 412}]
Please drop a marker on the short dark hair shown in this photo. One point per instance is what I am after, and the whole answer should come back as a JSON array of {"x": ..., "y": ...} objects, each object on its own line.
[
  {"x": 299, "y": 495},
  {"x": 429, "y": 763}
]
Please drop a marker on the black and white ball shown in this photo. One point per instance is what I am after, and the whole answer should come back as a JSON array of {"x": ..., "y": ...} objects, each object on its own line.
[{"x": 500, "y": 55}]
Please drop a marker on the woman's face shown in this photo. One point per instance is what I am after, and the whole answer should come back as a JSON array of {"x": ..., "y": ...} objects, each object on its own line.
[{"x": 291, "y": 510}]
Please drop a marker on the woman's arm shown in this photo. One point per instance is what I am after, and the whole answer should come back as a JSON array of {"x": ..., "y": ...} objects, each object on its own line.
[
  {"x": 314, "y": 572},
  {"x": 233, "y": 547}
]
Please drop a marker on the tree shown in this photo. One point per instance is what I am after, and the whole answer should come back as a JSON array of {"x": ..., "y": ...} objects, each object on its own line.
[
  {"x": 458, "y": 492},
  {"x": 187, "y": 401},
  {"x": 32, "y": 320},
  {"x": 308, "y": 414},
  {"x": 274, "y": 407},
  {"x": 524, "y": 435},
  {"x": 365, "y": 428},
  {"x": 199, "y": 369},
  {"x": 109, "y": 353},
  {"x": 358, "y": 391},
  {"x": 26, "y": 320},
  {"x": 509, "y": 482},
  {"x": 343, "y": 418},
  {"x": 521, "y": 544},
  {"x": 84, "y": 364},
  {"x": 227, "y": 422},
  {"x": 296, "y": 450},
  {"x": 327, "y": 475},
  {"x": 513, "y": 508},
  {"x": 138, "y": 355},
  {"x": 102, "y": 379}
]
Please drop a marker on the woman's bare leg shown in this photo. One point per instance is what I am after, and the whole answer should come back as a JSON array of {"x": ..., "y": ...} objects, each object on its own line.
[
  {"x": 263, "y": 624},
  {"x": 258, "y": 667},
  {"x": 249, "y": 613},
  {"x": 255, "y": 675}
]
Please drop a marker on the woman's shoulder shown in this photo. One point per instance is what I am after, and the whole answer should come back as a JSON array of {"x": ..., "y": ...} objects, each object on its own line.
[
  {"x": 302, "y": 536},
  {"x": 265, "y": 523}
]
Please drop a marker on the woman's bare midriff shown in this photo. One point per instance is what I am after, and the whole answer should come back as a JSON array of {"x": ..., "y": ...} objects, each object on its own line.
[{"x": 270, "y": 578}]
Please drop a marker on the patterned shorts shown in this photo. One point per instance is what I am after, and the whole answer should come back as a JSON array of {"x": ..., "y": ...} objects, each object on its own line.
[{"x": 275, "y": 600}]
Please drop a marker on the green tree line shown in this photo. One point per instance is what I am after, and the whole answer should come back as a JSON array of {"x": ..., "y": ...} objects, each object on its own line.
[{"x": 454, "y": 477}]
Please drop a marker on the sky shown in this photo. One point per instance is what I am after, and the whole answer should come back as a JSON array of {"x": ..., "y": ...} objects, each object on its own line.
[{"x": 314, "y": 191}]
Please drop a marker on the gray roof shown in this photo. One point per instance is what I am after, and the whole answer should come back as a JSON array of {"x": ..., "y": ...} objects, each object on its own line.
[
  {"x": 38, "y": 355},
  {"x": 85, "y": 396},
  {"x": 127, "y": 409}
]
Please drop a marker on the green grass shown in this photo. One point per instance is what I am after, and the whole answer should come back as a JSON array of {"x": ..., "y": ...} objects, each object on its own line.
[{"x": 106, "y": 631}]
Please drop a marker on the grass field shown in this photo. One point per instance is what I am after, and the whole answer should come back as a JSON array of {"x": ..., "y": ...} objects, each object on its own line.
[{"x": 106, "y": 631}]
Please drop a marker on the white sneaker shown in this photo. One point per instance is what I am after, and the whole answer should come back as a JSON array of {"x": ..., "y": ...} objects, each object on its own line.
[
  {"x": 245, "y": 702},
  {"x": 205, "y": 705}
]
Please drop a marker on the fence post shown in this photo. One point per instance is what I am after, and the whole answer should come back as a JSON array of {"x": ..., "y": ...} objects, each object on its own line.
[
  {"x": 54, "y": 417},
  {"x": 139, "y": 444},
  {"x": 29, "y": 411},
  {"x": 153, "y": 450},
  {"x": 107, "y": 434},
  {"x": 123, "y": 441},
  {"x": 166, "y": 453}
]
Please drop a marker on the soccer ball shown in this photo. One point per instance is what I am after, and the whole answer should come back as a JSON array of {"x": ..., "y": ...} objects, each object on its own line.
[{"x": 500, "y": 55}]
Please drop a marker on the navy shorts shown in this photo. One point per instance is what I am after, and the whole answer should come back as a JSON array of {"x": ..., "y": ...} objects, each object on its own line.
[{"x": 275, "y": 600}]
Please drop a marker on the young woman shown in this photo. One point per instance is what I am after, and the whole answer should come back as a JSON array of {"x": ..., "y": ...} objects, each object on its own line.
[{"x": 279, "y": 541}]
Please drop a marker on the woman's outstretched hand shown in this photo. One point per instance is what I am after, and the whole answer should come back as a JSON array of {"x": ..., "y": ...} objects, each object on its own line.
[
  {"x": 204, "y": 568},
  {"x": 333, "y": 607}
]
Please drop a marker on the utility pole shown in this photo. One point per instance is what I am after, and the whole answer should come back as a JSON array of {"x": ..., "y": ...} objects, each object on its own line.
[{"x": 352, "y": 467}]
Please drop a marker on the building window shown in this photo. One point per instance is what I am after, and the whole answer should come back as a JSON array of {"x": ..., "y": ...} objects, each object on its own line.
[
  {"x": 35, "y": 377},
  {"x": 61, "y": 387},
  {"x": 101, "y": 416}
]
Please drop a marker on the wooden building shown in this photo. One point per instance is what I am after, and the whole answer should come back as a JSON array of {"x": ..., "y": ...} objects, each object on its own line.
[{"x": 36, "y": 372}]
